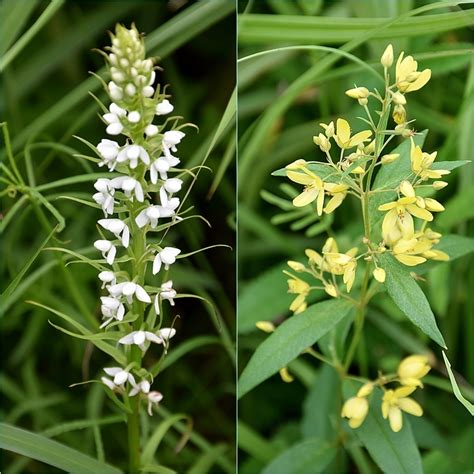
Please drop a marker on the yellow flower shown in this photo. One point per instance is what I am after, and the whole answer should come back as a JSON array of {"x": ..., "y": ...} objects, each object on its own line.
[
  {"x": 343, "y": 135},
  {"x": 417, "y": 249},
  {"x": 399, "y": 114},
  {"x": 412, "y": 369},
  {"x": 313, "y": 190},
  {"x": 356, "y": 410},
  {"x": 300, "y": 288},
  {"x": 340, "y": 264},
  {"x": 338, "y": 193},
  {"x": 408, "y": 79},
  {"x": 398, "y": 222},
  {"x": 421, "y": 163},
  {"x": 394, "y": 401}
]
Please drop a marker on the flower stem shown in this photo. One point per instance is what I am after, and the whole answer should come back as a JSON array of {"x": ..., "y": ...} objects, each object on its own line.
[{"x": 133, "y": 425}]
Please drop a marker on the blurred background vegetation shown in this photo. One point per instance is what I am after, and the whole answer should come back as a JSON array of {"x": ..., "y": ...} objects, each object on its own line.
[
  {"x": 282, "y": 99},
  {"x": 45, "y": 102}
]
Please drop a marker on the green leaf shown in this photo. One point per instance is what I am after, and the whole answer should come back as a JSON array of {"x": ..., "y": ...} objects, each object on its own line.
[
  {"x": 395, "y": 453},
  {"x": 409, "y": 297},
  {"x": 290, "y": 339},
  {"x": 457, "y": 393},
  {"x": 158, "y": 435},
  {"x": 15, "y": 282},
  {"x": 321, "y": 406},
  {"x": 298, "y": 29},
  {"x": 252, "y": 443},
  {"x": 100, "y": 344},
  {"x": 50, "y": 452},
  {"x": 312, "y": 455}
]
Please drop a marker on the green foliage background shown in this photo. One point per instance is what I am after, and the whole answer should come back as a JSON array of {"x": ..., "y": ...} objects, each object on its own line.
[
  {"x": 282, "y": 99},
  {"x": 45, "y": 102}
]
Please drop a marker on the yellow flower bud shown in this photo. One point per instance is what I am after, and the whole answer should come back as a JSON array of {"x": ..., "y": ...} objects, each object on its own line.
[
  {"x": 358, "y": 93},
  {"x": 387, "y": 57},
  {"x": 296, "y": 266},
  {"x": 386, "y": 159},
  {"x": 437, "y": 185},
  {"x": 330, "y": 289},
  {"x": 323, "y": 142},
  {"x": 412, "y": 369},
  {"x": 328, "y": 129},
  {"x": 379, "y": 274},
  {"x": 407, "y": 189},
  {"x": 355, "y": 409},
  {"x": 265, "y": 326},
  {"x": 365, "y": 390},
  {"x": 399, "y": 99}
]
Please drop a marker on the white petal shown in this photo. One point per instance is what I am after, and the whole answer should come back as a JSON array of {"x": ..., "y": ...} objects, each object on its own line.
[
  {"x": 142, "y": 219},
  {"x": 139, "y": 337},
  {"x": 108, "y": 383},
  {"x": 111, "y": 255},
  {"x": 129, "y": 288},
  {"x": 156, "y": 264},
  {"x": 153, "y": 338},
  {"x": 139, "y": 192},
  {"x": 142, "y": 295},
  {"x": 121, "y": 377},
  {"x": 167, "y": 333},
  {"x": 128, "y": 339},
  {"x": 112, "y": 371},
  {"x": 126, "y": 236}
]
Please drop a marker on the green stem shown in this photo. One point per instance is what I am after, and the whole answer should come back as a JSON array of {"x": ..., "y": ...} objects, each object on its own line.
[{"x": 133, "y": 425}]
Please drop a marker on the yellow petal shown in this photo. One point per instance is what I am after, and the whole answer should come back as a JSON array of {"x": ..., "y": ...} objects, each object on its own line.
[
  {"x": 387, "y": 206},
  {"x": 300, "y": 178},
  {"x": 389, "y": 222},
  {"x": 306, "y": 197},
  {"x": 422, "y": 79},
  {"x": 419, "y": 212},
  {"x": 343, "y": 131},
  {"x": 296, "y": 164},
  {"x": 395, "y": 418},
  {"x": 379, "y": 274},
  {"x": 359, "y": 138},
  {"x": 407, "y": 189},
  {"x": 410, "y": 260},
  {"x": 320, "y": 203},
  {"x": 410, "y": 406}
]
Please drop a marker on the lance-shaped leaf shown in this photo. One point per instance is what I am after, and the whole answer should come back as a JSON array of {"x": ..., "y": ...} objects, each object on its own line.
[
  {"x": 290, "y": 339},
  {"x": 409, "y": 297}
]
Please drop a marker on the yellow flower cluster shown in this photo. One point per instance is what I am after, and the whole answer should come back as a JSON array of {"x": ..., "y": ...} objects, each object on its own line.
[
  {"x": 395, "y": 400},
  {"x": 409, "y": 246},
  {"x": 324, "y": 267}
]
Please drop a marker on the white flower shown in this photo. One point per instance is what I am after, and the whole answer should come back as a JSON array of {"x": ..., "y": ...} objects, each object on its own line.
[
  {"x": 166, "y": 292},
  {"x": 150, "y": 215},
  {"x": 173, "y": 185},
  {"x": 107, "y": 277},
  {"x": 148, "y": 91},
  {"x": 167, "y": 256},
  {"x": 164, "y": 107},
  {"x": 143, "y": 386},
  {"x": 132, "y": 153},
  {"x": 129, "y": 289},
  {"x": 120, "y": 375},
  {"x": 112, "y": 118},
  {"x": 129, "y": 185},
  {"x": 170, "y": 140},
  {"x": 108, "y": 150},
  {"x": 162, "y": 166},
  {"x": 105, "y": 196},
  {"x": 139, "y": 338},
  {"x": 168, "y": 210},
  {"x": 118, "y": 228},
  {"x": 153, "y": 398},
  {"x": 108, "y": 250},
  {"x": 111, "y": 308}
]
